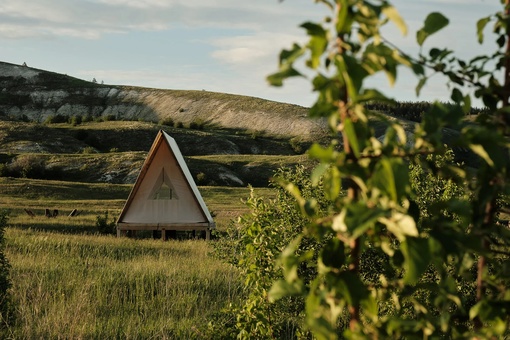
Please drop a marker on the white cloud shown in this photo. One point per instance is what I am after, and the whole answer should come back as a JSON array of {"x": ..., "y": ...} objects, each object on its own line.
[
  {"x": 140, "y": 4},
  {"x": 107, "y": 16},
  {"x": 256, "y": 49}
]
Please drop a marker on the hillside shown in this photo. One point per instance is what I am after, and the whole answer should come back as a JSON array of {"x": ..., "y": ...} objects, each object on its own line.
[
  {"x": 57, "y": 127},
  {"x": 35, "y": 95}
]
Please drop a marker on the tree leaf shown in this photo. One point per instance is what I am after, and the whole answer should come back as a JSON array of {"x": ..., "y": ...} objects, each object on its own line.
[
  {"x": 417, "y": 257},
  {"x": 317, "y": 44},
  {"x": 480, "y": 151},
  {"x": 480, "y": 25},
  {"x": 420, "y": 85},
  {"x": 332, "y": 254},
  {"x": 318, "y": 172},
  {"x": 392, "y": 14},
  {"x": 434, "y": 22},
  {"x": 276, "y": 79},
  {"x": 282, "y": 288},
  {"x": 332, "y": 183},
  {"x": 350, "y": 132}
]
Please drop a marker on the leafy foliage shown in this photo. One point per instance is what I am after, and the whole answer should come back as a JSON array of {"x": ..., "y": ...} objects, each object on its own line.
[
  {"x": 438, "y": 260},
  {"x": 253, "y": 243},
  {"x": 104, "y": 225}
]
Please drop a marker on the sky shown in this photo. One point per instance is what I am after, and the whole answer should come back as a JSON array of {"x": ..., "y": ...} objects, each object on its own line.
[{"x": 214, "y": 45}]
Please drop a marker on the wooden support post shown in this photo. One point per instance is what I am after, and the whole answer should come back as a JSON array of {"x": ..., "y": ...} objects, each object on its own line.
[
  {"x": 207, "y": 234},
  {"x": 163, "y": 234},
  {"x": 118, "y": 232}
]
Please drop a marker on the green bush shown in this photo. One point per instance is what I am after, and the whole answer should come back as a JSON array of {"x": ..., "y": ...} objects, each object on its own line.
[
  {"x": 168, "y": 121},
  {"x": 88, "y": 118},
  {"x": 88, "y": 150},
  {"x": 109, "y": 118},
  {"x": 76, "y": 120},
  {"x": 253, "y": 243},
  {"x": 28, "y": 166},
  {"x": 104, "y": 225},
  {"x": 201, "y": 178},
  {"x": 197, "y": 124},
  {"x": 55, "y": 119}
]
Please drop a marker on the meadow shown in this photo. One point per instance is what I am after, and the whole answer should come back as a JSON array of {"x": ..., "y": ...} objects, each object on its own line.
[{"x": 71, "y": 282}]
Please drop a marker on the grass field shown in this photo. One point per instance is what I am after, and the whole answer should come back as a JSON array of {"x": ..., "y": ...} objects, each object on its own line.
[
  {"x": 70, "y": 282},
  {"x": 89, "y": 286}
]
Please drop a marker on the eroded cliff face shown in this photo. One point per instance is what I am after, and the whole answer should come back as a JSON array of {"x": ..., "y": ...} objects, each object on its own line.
[{"x": 37, "y": 95}]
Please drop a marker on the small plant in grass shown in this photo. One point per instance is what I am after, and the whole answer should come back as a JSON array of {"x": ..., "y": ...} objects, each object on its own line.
[
  {"x": 178, "y": 125},
  {"x": 201, "y": 178},
  {"x": 55, "y": 119},
  {"x": 104, "y": 225},
  {"x": 109, "y": 118},
  {"x": 197, "y": 124},
  {"x": 76, "y": 120},
  {"x": 114, "y": 150},
  {"x": 88, "y": 118},
  {"x": 88, "y": 150}
]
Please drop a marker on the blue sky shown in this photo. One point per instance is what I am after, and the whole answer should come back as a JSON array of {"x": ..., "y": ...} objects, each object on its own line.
[{"x": 216, "y": 45}]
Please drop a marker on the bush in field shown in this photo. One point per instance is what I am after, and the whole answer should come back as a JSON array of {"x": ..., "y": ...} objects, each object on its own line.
[
  {"x": 55, "y": 119},
  {"x": 6, "y": 310},
  {"x": 76, "y": 120},
  {"x": 197, "y": 124},
  {"x": 167, "y": 121},
  {"x": 28, "y": 166},
  {"x": 253, "y": 243},
  {"x": 201, "y": 178},
  {"x": 104, "y": 225}
]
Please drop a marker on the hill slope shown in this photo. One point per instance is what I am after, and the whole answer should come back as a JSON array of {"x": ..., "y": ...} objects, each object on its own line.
[{"x": 36, "y": 95}]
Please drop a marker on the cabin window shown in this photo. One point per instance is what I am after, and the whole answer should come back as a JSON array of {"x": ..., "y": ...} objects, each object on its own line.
[
  {"x": 164, "y": 193},
  {"x": 163, "y": 189}
]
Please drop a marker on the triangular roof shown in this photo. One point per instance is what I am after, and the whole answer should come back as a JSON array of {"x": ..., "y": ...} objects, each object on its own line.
[{"x": 165, "y": 194}]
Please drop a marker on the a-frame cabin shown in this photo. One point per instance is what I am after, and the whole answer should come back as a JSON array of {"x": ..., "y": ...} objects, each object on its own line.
[{"x": 165, "y": 196}]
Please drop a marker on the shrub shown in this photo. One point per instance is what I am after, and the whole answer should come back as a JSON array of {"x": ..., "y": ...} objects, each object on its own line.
[
  {"x": 167, "y": 121},
  {"x": 252, "y": 244},
  {"x": 201, "y": 178},
  {"x": 104, "y": 225},
  {"x": 178, "y": 125},
  {"x": 109, "y": 118},
  {"x": 28, "y": 166},
  {"x": 88, "y": 150},
  {"x": 88, "y": 118},
  {"x": 55, "y": 119},
  {"x": 197, "y": 124},
  {"x": 76, "y": 120}
]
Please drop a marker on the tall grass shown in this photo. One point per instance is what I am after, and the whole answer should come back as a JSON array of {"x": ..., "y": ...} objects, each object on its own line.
[{"x": 89, "y": 286}]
